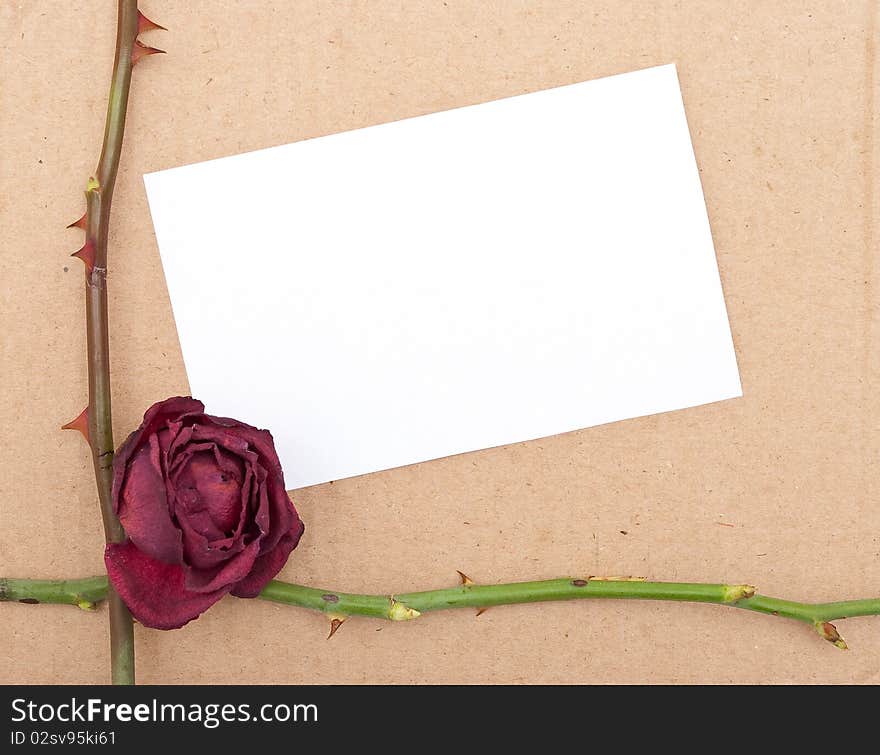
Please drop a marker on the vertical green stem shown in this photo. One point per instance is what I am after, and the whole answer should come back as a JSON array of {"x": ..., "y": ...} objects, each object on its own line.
[{"x": 99, "y": 196}]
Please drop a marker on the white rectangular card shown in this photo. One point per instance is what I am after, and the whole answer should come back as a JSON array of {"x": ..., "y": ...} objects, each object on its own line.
[{"x": 451, "y": 282}]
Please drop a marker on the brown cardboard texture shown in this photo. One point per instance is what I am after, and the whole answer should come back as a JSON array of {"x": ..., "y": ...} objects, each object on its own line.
[{"x": 777, "y": 489}]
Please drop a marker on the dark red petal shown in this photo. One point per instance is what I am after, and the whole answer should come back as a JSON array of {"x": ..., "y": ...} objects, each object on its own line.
[
  {"x": 174, "y": 408},
  {"x": 176, "y": 446},
  {"x": 279, "y": 516},
  {"x": 226, "y": 575},
  {"x": 199, "y": 551},
  {"x": 282, "y": 513},
  {"x": 225, "y": 438},
  {"x": 190, "y": 510},
  {"x": 272, "y": 510},
  {"x": 183, "y": 456},
  {"x": 248, "y": 489},
  {"x": 269, "y": 564},
  {"x": 154, "y": 592},
  {"x": 218, "y": 491},
  {"x": 154, "y": 418},
  {"x": 260, "y": 440},
  {"x": 143, "y": 507},
  {"x": 235, "y": 542},
  {"x": 231, "y": 464},
  {"x": 260, "y": 507}
]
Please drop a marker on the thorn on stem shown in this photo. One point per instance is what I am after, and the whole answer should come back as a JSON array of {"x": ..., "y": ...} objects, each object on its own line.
[
  {"x": 335, "y": 623},
  {"x": 81, "y": 223},
  {"x": 466, "y": 581},
  {"x": 734, "y": 593},
  {"x": 87, "y": 255},
  {"x": 398, "y": 611},
  {"x": 144, "y": 24},
  {"x": 81, "y": 424},
  {"x": 829, "y": 632},
  {"x": 139, "y": 51}
]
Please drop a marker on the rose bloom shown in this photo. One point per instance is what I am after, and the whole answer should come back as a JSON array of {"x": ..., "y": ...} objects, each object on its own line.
[{"x": 205, "y": 511}]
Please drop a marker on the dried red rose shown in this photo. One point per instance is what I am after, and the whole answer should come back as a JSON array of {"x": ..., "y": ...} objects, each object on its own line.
[{"x": 203, "y": 503}]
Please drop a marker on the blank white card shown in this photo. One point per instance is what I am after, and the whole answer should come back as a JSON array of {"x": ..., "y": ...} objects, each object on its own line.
[{"x": 451, "y": 282}]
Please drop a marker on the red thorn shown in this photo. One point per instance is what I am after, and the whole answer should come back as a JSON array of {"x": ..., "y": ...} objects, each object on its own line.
[
  {"x": 140, "y": 50},
  {"x": 144, "y": 24},
  {"x": 81, "y": 223},
  {"x": 81, "y": 423},
  {"x": 465, "y": 579},
  {"x": 334, "y": 626},
  {"x": 87, "y": 255},
  {"x": 481, "y": 611}
]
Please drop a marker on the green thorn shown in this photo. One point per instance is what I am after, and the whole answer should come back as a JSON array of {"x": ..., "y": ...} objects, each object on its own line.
[
  {"x": 733, "y": 593},
  {"x": 829, "y": 632},
  {"x": 401, "y": 612}
]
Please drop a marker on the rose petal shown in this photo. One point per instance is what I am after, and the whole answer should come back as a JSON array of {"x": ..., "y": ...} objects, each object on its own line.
[
  {"x": 154, "y": 592},
  {"x": 273, "y": 513},
  {"x": 232, "y": 464},
  {"x": 198, "y": 550},
  {"x": 269, "y": 564},
  {"x": 181, "y": 449},
  {"x": 260, "y": 506},
  {"x": 248, "y": 489},
  {"x": 225, "y": 575},
  {"x": 143, "y": 507},
  {"x": 281, "y": 512},
  {"x": 224, "y": 437},
  {"x": 235, "y": 541},
  {"x": 156, "y": 416},
  {"x": 259, "y": 440},
  {"x": 219, "y": 491}
]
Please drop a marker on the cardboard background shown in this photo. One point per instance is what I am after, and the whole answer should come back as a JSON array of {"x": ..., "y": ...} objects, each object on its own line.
[{"x": 779, "y": 488}]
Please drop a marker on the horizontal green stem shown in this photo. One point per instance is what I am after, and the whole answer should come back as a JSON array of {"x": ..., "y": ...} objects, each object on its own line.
[
  {"x": 484, "y": 596},
  {"x": 812, "y": 612},
  {"x": 85, "y": 593}
]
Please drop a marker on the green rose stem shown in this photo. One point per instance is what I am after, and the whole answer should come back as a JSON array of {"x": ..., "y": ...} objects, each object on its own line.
[
  {"x": 95, "y": 422},
  {"x": 83, "y": 593},
  {"x": 338, "y": 606}
]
